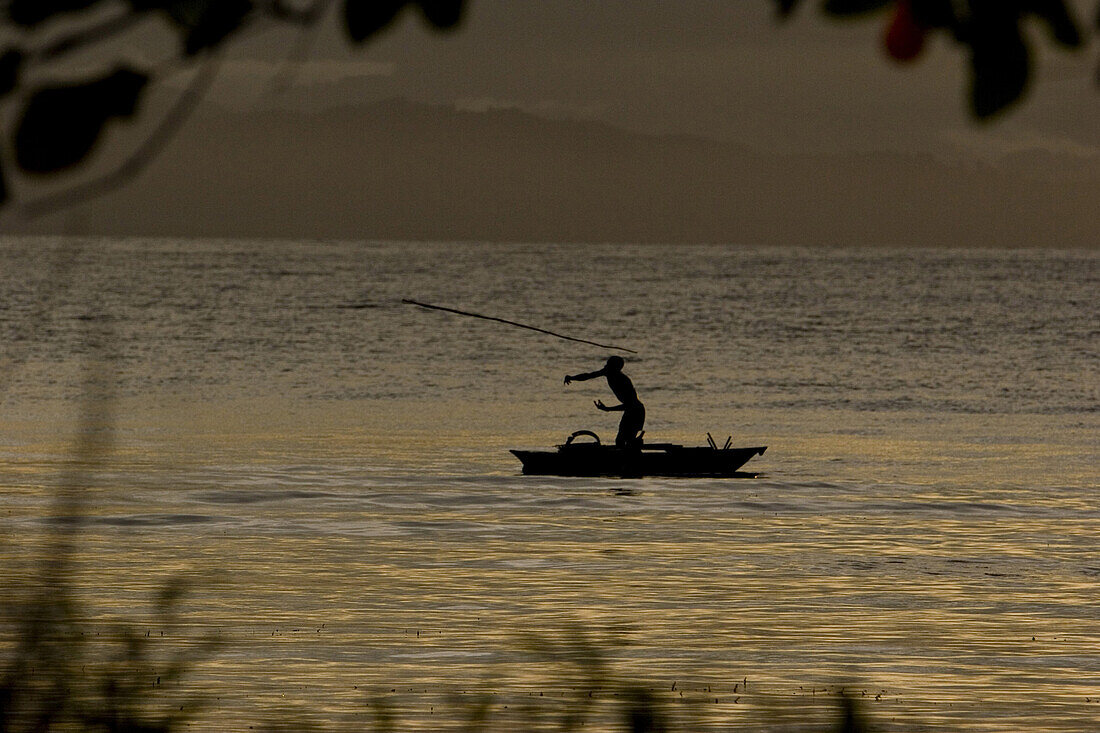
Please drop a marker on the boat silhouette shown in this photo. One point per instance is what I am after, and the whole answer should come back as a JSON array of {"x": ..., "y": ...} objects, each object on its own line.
[{"x": 593, "y": 458}]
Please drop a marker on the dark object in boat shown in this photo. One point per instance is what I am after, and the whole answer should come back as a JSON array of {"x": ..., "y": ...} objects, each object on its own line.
[{"x": 648, "y": 459}]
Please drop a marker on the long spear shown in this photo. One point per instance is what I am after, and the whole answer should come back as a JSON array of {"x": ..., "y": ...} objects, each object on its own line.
[{"x": 513, "y": 323}]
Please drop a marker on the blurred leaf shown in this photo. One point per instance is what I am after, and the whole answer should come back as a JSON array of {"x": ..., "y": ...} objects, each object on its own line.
[
  {"x": 786, "y": 7},
  {"x": 852, "y": 7},
  {"x": 934, "y": 13},
  {"x": 442, "y": 13},
  {"x": 1057, "y": 15},
  {"x": 32, "y": 12},
  {"x": 206, "y": 23},
  {"x": 10, "y": 62},
  {"x": 1000, "y": 64},
  {"x": 61, "y": 125},
  {"x": 364, "y": 18},
  {"x": 905, "y": 34}
]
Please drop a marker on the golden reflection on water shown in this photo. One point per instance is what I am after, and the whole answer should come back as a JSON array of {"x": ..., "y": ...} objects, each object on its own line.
[{"x": 362, "y": 572}]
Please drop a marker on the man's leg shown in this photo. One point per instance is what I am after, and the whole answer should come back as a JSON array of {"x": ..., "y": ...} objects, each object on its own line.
[{"x": 630, "y": 426}]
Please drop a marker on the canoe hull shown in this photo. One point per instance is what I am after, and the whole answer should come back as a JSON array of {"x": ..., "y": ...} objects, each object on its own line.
[{"x": 604, "y": 460}]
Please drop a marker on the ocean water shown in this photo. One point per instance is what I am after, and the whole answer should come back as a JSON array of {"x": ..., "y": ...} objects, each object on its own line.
[{"x": 327, "y": 471}]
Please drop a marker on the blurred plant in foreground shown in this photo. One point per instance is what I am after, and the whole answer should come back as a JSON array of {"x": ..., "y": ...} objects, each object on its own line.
[
  {"x": 62, "y": 675},
  {"x": 992, "y": 31},
  {"x": 58, "y": 672}
]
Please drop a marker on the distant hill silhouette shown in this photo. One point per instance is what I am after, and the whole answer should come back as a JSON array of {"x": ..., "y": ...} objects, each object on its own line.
[{"x": 401, "y": 170}]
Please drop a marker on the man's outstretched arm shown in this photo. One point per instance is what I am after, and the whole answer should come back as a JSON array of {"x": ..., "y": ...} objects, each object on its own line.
[
  {"x": 582, "y": 377},
  {"x": 613, "y": 408}
]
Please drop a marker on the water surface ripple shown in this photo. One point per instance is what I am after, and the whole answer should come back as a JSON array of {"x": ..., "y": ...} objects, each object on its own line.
[{"x": 333, "y": 479}]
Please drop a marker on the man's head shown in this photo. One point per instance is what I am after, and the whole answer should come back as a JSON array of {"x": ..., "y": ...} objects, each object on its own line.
[{"x": 614, "y": 364}]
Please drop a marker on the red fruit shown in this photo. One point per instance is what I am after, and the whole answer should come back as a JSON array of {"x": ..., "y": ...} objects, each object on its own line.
[{"x": 904, "y": 36}]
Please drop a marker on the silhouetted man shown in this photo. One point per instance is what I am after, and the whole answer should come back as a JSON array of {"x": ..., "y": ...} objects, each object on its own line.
[{"x": 632, "y": 408}]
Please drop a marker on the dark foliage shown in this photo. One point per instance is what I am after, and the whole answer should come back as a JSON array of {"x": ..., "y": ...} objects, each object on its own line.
[
  {"x": 364, "y": 18},
  {"x": 991, "y": 30},
  {"x": 853, "y": 7},
  {"x": 61, "y": 677},
  {"x": 786, "y": 7},
  {"x": 33, "y": 12},
  {"x": 61, "y": 124},
  {"x": 10, "y": 62},
  {"x": 999, "y": 60},
  {"x": 442, "y": 13}
]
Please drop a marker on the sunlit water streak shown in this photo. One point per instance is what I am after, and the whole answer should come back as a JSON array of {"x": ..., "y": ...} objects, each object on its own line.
[{"x": 335, "y": 478}]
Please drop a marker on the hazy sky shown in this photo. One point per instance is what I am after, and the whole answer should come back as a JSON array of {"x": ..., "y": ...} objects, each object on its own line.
[
  {"x": 810, "y": 110},
  {"x": 722, "y": 69}
]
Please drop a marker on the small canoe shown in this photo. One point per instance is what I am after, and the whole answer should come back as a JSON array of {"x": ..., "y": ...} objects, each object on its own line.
[{"x": 588, "y": 458}]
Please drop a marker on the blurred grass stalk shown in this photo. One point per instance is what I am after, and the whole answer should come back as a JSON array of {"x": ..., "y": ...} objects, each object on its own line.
[{"x": 57, "y": 673}]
